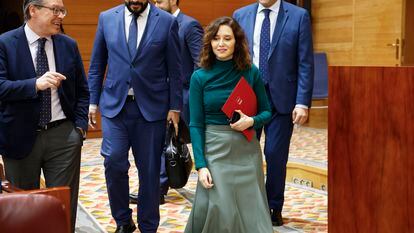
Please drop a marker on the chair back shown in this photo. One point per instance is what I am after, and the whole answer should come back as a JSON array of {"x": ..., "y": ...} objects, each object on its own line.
[
  {"x": 320, "y": 83},
  {"x": 28, "y": 212}
]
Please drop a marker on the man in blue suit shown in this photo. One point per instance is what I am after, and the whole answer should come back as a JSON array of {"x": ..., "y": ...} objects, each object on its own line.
[
  {"x": 190, "y": 34},
  {"x": 137, "y": 45},
  {"x": 43, "y": 101},
  {"x": 280, "y": 41}
]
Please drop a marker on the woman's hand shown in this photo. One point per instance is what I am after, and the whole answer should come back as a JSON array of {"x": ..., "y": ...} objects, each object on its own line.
[
  {"x": 244, "y": 122},
  {"x": 204, "y": 177}
]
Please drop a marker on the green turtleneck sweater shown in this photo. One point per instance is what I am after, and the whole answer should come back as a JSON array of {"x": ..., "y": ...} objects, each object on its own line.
[{"x": 209, "y": 90}]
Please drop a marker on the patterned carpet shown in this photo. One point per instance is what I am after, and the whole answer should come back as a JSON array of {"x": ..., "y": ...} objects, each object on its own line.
[
  {"x": 305, "y": 210},
  {"x": 309, "y": 144}
]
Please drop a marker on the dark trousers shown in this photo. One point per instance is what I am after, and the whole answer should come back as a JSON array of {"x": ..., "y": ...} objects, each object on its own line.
[
  {"x": 164, "y": 186},
  {"x": 278, "y": 134},
  {"x": 130, "y": 129},
  {"x": 57, "y": 153}
]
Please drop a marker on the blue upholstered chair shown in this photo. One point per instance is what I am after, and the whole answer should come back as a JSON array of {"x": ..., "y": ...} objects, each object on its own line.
[{"x": 320, "y": 85}]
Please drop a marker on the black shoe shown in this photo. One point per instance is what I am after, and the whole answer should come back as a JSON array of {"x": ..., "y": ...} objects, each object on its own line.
[
  {"x": 162, "y": 199},
  {"x": 133, "y": 198},
  {"x": 129, "y": 228},
  {"x": 276, "y": 217}
]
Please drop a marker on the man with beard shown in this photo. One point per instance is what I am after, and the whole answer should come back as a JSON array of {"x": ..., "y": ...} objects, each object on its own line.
[
  {"x": 190, "y": 34},
  {"x": 137, "y": 45}
]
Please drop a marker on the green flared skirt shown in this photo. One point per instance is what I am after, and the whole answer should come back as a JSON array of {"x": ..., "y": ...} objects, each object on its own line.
[{"x": 237, "y": 203}]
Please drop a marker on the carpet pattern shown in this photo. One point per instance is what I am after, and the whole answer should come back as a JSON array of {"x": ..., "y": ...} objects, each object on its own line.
[{"x": 305, "y": 210}]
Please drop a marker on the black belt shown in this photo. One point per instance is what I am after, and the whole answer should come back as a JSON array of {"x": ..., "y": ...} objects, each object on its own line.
[
  {"x": 130, "y": 98},
  {"x": 51, "y": 124}
]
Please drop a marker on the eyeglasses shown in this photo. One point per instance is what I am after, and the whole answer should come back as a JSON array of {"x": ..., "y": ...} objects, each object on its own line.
[{"x": 56, "y": 11}]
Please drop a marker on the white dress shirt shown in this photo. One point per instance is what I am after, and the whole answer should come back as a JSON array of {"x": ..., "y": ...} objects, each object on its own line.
[
  {"x": 175, "y": 14},
  {"x": 141, "y": 24},
  {"x": 32, "y": 37},
  {"x": 274, "y": 11}
]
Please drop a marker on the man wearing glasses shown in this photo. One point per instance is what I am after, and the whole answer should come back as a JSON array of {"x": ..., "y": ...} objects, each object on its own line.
[{"x": 44, "y": 101}]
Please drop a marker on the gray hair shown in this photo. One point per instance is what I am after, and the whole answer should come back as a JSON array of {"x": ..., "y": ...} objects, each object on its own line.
[{"x": 26, "y": 5}]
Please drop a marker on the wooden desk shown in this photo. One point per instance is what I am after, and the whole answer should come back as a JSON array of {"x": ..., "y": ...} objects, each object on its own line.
[{"x": 371, "y": 150}]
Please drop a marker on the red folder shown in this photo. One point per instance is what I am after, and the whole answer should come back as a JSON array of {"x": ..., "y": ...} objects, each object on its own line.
[{"x": 242, "y": 98}]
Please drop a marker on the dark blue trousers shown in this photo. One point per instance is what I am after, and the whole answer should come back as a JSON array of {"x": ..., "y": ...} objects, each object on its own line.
[
  {"x": 164, "y": 186},
  {"x": 278, "y": 134},
  {"x": 129, "y": 129}
]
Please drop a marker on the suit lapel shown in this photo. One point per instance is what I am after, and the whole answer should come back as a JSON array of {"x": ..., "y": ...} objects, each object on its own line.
[
  {"x": 180, "y": 19},
  {"x": 58, "y": 46},
  {"x": 152, "y": 21},
  {"x": 120, "y": 22},
  {"x": 280, "y": 25},
  {"x": 251, "y": 20},
  {"x": 23, "y": 52}
]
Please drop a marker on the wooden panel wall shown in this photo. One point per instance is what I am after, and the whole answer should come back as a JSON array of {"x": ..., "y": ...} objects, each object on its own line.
[
  {"x": 80, "y": 24},
  {"x": 82, "y": 19},
  {"x": 357, "y": 32},
  {"x": 207, "y": 10},
  {"x": 83, "y": 16},
  {"x": 332, "y": 22},
  {"x": 370, "y": 148},
  {"x": 376, "y": 24},
  {"x": 408, "y": 44}
]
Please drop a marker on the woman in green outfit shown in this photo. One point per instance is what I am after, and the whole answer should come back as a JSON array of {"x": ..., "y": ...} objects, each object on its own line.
[{"x": 230, "y": 195}]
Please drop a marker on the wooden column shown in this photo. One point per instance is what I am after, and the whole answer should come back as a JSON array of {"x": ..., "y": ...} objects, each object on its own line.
[{"x": 371, "y": 150}]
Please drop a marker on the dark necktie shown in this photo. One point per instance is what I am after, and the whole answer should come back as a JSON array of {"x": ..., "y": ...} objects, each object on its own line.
[
  {"x": 42, "y": 67},
  {"x": 132, "y": 36},
  {"x": 264, "y": 47}
]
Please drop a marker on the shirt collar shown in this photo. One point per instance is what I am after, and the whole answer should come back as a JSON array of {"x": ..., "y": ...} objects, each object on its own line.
[
  {"x": 175, "y": 14},
  {"x": 275, "y": 7},
  {"x": 31, "y": 36},
  {"x": 143, "y": 14}
]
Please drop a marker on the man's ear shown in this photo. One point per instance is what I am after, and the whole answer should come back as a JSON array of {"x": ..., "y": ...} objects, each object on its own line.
[{"x": 32, "y": 10}]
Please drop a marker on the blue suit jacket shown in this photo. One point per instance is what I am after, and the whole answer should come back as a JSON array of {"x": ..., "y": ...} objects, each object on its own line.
[
  {"x": 191, "y": 40},
  {"x": 290, "y": 57},
  {"x": 20, "y": 106},
  {"x": 154, "y": 72}
]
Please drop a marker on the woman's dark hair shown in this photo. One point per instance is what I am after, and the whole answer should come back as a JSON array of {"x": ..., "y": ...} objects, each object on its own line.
[{"x": 241, "y": 54}]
